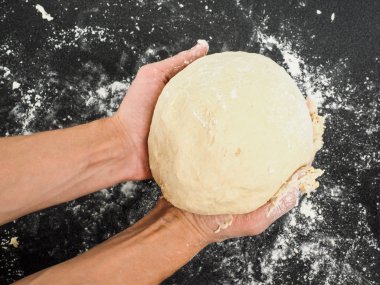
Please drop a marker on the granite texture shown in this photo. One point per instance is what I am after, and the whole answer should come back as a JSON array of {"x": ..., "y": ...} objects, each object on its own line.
[{"x": 76, "y": 68}]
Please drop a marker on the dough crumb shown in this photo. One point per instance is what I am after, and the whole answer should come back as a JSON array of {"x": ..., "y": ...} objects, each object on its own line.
[
  {"x": 222, "y": 225},
  {"x": 308, "y": 183},
  {"x": 303, "y": 179},
  {"x": 14, "y": 242}
]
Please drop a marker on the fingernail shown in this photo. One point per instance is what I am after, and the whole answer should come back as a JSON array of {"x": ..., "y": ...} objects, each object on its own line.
[
  {"x": 200, "y": 43},
  {"x": 203, "y": 43}
]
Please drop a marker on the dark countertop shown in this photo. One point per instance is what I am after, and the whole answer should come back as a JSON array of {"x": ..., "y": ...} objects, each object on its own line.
[{"x": 75, "y": 68}]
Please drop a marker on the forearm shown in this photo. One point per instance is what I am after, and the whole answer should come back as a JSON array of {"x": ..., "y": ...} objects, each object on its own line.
[
  {"x": 52, "y": 167},
  {"x": 147, "y": 253}
]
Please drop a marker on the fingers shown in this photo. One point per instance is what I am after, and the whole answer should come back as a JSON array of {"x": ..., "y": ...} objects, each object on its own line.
[
  {"x": 259, "y": 220},
  {"x": 151, "y": 78},
  {"x": 288, "y": 201},
  {"x": 145, "y": 89},
  {"x": 163, "y": 71},
  {"x": 171, "y": 66}
]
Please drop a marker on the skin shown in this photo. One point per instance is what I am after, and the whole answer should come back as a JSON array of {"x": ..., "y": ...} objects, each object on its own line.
[{"x": 49, "y": 168}]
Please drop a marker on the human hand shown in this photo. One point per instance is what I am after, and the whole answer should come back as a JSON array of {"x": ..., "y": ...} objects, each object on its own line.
[
  {"x": 133, "y": 121},
  {"x": 134, "y": 116},
  {"x": 250, "y": 224}
]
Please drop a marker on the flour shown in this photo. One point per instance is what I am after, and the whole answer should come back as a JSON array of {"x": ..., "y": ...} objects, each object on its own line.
[
  {"x": 6, "y": 71},
  {"x": 129, "y": 189},
  {"x": 107, "y": 98},
  {"x": 317, "y": 254},
  {"x": 76, "y": 36},
  {"x": 307, "y": 210},
  {"x": 44, "y": 14},
  {"x": 310, "y": 82},
  {"x": 325, "y": 250},
  {"x": 15, "y": 85}
]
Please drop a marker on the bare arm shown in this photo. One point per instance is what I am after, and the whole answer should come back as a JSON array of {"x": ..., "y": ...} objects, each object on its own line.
[
  {"x": 146, "y": 253},
  {"x": 62, "y": 165},
  {"x": 154, "y": 248},
  {"x": 49, "y": 168}
]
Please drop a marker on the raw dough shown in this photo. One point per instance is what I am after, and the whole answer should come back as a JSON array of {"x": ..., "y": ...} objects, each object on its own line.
[{"x": 228, "y": 134}]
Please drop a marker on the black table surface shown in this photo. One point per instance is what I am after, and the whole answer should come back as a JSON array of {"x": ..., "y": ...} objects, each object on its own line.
[{"x": 76, "y": 68}]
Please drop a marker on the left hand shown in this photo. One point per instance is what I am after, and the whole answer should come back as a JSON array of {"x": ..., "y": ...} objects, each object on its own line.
[
  {"x": 250, "y": 224},
  {"x": 135, "y": 114}
]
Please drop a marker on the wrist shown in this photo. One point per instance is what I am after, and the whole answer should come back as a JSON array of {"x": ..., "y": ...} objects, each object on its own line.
[
  {"x": 187, "y": 223},
  {"x": 133, "y": 166},
  {"x": 163, "y": 241},
  {"x": 211, "y": 228}
]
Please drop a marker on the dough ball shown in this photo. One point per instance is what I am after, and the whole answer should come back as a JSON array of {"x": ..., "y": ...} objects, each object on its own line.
[{"x": 227, "y": 133}]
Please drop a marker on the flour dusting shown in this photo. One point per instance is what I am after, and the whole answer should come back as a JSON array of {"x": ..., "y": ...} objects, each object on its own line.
[
  {"x": 45, "y": 15},
  {"x": 77, "y": 68}
]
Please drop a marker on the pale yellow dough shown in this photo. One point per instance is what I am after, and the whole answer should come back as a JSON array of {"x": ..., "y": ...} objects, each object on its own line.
[{"x": 229, "y": 133}]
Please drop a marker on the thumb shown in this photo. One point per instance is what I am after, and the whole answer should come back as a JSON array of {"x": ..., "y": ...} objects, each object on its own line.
[
  {"x": 252, "y": 223},
  {"x": 162, "y": 71},
  {"x": 151, "y": 78},
  {"x": 287, "y": 201},
  {"x": 259, "y": 220},
  {"x": 171, "y": 66}
]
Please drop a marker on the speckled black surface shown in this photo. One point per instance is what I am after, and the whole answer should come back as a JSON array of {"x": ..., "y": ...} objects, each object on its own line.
[{"x": 91, "y": 44}]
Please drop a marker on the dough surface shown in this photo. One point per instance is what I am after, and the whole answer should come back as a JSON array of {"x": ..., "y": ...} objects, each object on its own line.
[{"x": 228, "y": 133}]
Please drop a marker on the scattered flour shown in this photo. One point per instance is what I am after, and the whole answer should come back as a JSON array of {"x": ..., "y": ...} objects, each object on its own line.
[
  {"x": 15, "y": 85},
  {"x": 44, "y": 14},
  {"x": 129, "y": 189},
  {"x": 299, "y": 240},
  {"x": 310, "y": 82},
  {"x": 77, "y": 36},
  {"x": 6, "y": 71},
  {"x": 319, "y": 254},
  {"x": 307, "y": 210}
]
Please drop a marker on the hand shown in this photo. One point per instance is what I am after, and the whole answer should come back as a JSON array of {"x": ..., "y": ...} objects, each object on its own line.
[
  {"x": 250, "y": 224},
  {"x": 134, "y": 116},
  {"x": 133, "y": 121}
]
